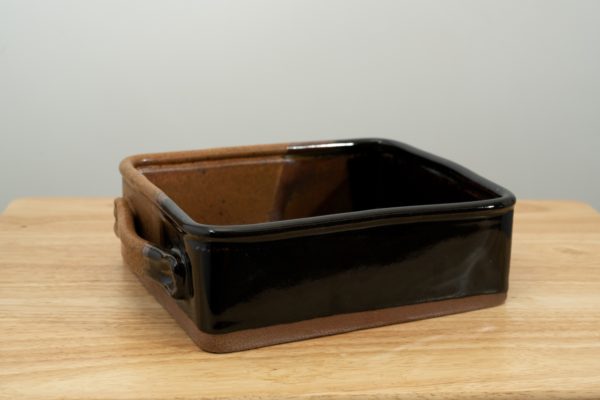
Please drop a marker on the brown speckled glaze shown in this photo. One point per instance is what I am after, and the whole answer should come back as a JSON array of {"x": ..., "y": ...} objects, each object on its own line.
[{"x": 259, "y": 245}]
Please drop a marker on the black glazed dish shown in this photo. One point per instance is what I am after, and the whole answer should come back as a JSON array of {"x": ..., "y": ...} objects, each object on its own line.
[{"x": 260, "y": 245}]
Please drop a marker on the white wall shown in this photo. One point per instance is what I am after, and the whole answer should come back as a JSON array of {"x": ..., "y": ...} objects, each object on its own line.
[{"x": 510, "y": 89}]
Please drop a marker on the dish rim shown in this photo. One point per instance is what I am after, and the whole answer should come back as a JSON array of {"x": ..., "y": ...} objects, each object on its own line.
[{"x": 131, "y": 166}]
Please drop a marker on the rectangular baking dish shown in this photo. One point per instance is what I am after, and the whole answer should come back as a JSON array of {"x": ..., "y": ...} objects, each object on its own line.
[{"x": 259, "y": 245}]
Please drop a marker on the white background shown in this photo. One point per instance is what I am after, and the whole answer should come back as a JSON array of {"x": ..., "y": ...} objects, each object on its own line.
[{"x": 510, "y": 89}]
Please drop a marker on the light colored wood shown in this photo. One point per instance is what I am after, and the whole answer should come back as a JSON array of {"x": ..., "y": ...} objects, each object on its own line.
[{"x": 75, "y": 323}]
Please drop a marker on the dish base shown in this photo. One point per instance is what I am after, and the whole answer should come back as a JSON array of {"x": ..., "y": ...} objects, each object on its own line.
[{"x": 322, "y": 326}]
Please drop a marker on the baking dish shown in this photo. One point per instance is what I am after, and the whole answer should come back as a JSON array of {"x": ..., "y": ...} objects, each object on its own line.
[{"x": 259, "y": 245}]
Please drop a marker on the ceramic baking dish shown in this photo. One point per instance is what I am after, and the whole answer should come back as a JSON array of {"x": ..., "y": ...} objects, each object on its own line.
[{"x": 259, "y": 245}]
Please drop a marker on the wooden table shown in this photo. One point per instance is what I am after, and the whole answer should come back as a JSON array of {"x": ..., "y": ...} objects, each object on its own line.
[{"x": 75, "y": 324}]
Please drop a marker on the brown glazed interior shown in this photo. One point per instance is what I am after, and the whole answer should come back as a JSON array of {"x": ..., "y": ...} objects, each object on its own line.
[{"x": 251, "y": 189}]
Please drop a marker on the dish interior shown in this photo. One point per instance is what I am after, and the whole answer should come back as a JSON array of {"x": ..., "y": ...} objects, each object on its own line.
[{"x": 301, "y": 183}]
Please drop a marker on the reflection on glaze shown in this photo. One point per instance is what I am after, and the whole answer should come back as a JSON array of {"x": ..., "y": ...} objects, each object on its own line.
[{"x": 250, "y": 285}]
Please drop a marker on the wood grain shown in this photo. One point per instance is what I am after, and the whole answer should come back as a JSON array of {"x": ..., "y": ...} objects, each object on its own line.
[{"x": 75, "y": 324}]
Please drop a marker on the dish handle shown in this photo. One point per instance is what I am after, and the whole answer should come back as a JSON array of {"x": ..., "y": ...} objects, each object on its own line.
[{"x": 145, "y": 258}]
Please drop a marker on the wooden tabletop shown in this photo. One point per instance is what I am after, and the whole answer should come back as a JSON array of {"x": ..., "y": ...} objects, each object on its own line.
[{"x": 76, "y": 324}]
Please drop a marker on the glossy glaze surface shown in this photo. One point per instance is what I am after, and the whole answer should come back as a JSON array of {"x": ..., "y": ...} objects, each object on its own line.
[{"x": 256, "y": 284}]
